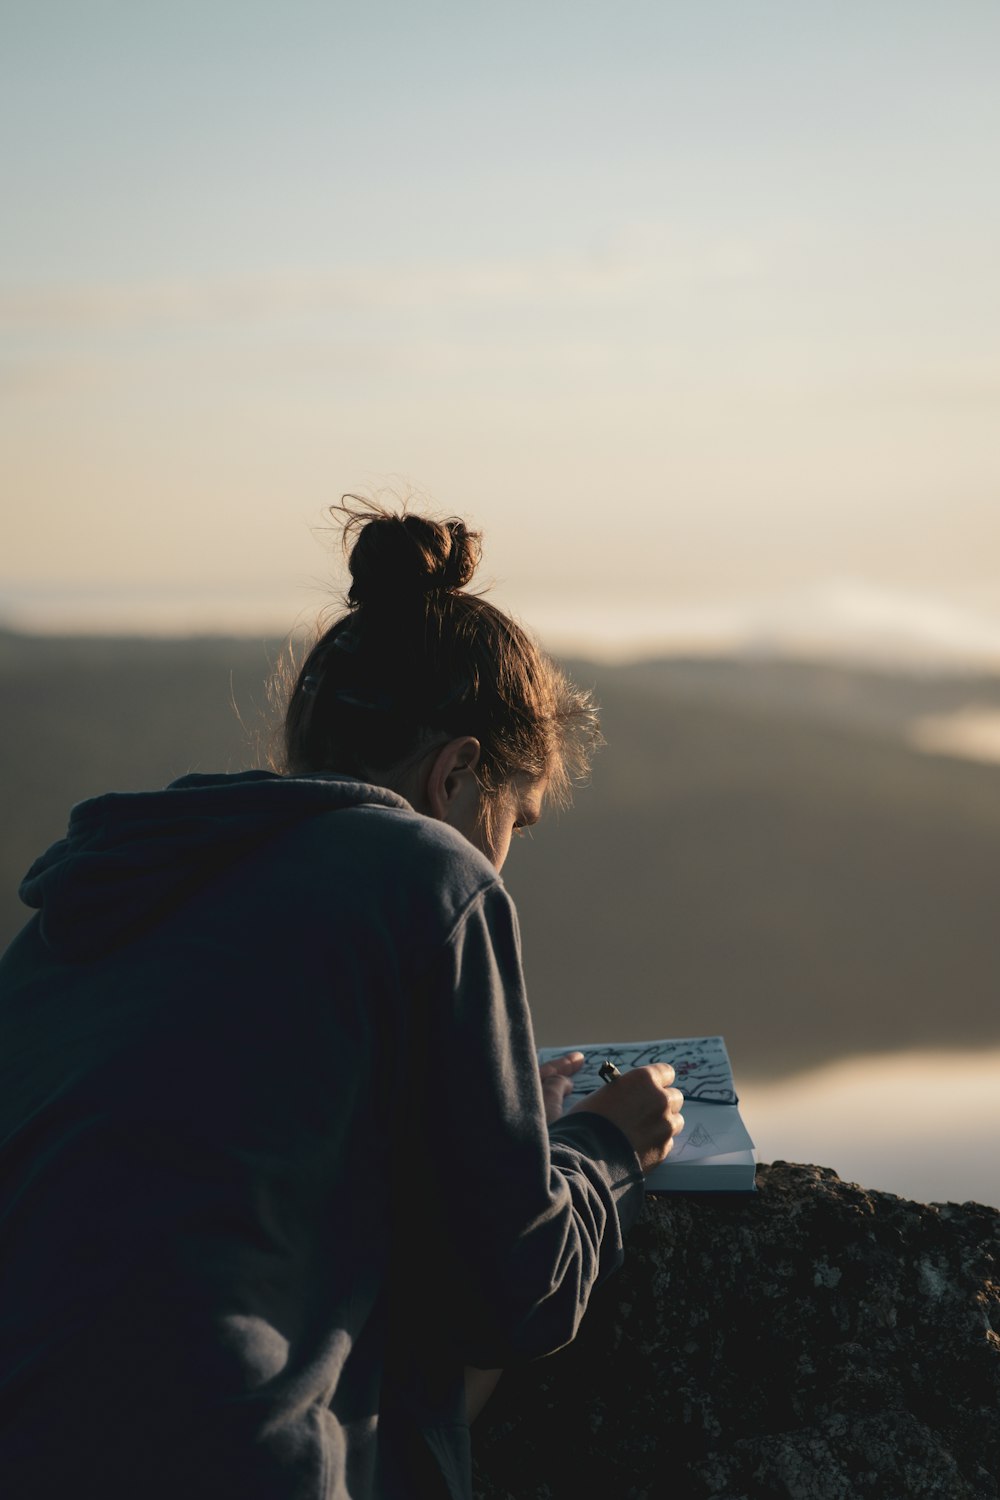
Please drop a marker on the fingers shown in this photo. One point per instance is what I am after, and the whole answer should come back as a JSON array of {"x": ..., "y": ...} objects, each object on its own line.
[
  {"x": 567, "y": 1065},
  {"x": 557, "y": 1082},
  {"x": 646, "y": 1106},
  {"x": 674, "y": 1120},
  {"x": 554, "y": 1091},
  {"x": 659, "y": 1087},
  {"x": 642, "y": 1102}
]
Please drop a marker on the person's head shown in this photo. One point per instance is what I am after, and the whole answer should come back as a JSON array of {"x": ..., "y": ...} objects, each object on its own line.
[{"x": 430, "y": 690}]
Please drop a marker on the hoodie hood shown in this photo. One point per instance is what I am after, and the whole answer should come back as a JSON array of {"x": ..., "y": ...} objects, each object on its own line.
[{"x": 130, "y": 857}]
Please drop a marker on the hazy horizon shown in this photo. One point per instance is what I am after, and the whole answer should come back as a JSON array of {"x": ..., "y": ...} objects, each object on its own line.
[{"x": 838, "y": 619}]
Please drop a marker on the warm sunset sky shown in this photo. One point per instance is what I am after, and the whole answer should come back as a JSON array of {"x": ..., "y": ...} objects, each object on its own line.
[{"x": 692, "y": 304}]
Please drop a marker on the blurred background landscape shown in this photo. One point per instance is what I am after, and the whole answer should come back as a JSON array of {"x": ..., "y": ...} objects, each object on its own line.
[
  {"x": 694, "y": 310},
  {"x": 764, "y": 851}
]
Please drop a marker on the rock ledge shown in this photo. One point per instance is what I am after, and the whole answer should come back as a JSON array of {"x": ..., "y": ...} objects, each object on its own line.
[{"x": 816, "y": 1341}]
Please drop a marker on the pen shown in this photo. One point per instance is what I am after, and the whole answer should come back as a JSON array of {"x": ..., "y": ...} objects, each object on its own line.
[{"x": 608, "y": 1071}]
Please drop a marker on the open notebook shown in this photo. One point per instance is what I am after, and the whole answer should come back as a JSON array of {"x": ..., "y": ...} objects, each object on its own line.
[{"x": 714, "y": 1152}]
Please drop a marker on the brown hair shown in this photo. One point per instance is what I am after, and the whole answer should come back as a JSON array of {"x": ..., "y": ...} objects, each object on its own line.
[{"x": 416, "y": 657}]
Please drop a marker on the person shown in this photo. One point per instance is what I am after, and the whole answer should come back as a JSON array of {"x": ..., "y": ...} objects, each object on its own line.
[{"x": 275, "y": 1159}]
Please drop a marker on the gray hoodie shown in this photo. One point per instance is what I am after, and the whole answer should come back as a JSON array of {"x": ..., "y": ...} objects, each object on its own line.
[{"x": 274, "y": 1164}]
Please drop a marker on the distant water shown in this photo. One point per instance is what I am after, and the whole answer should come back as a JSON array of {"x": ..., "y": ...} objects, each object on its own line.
[
  {"x": 842, "y": 619},
  {"x": 925, "y": 1125},
  {"x": 972, "y": 733}
]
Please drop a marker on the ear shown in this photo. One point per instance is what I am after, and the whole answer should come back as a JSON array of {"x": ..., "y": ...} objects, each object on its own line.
[{"x": 451, "y": 784}]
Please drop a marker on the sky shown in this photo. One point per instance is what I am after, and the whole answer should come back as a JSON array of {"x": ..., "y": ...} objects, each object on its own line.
[{"x": 692, "y": 307}]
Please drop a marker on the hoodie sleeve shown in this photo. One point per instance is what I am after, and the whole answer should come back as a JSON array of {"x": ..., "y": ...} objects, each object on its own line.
[{"x": 531, "y": 1218}]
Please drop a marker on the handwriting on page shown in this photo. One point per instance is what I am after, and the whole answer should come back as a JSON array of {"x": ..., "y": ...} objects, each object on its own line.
[{"x": 701, "y": 1065}]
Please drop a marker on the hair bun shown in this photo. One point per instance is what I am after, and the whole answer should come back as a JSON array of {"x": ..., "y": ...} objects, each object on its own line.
[{"x": 404, "y": 555}]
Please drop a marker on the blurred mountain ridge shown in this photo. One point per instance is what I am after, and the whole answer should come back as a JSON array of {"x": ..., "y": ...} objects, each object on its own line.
[{"x": 761, "y": 851}]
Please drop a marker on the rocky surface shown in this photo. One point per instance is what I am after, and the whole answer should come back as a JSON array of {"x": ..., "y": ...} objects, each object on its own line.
[{"x": 816, "y": 1341}]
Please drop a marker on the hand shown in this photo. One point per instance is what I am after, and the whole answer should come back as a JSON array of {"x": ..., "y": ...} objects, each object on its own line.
[
  {"x": 557, "y": 1082},
  {"x": 644, "y": 1107}
]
